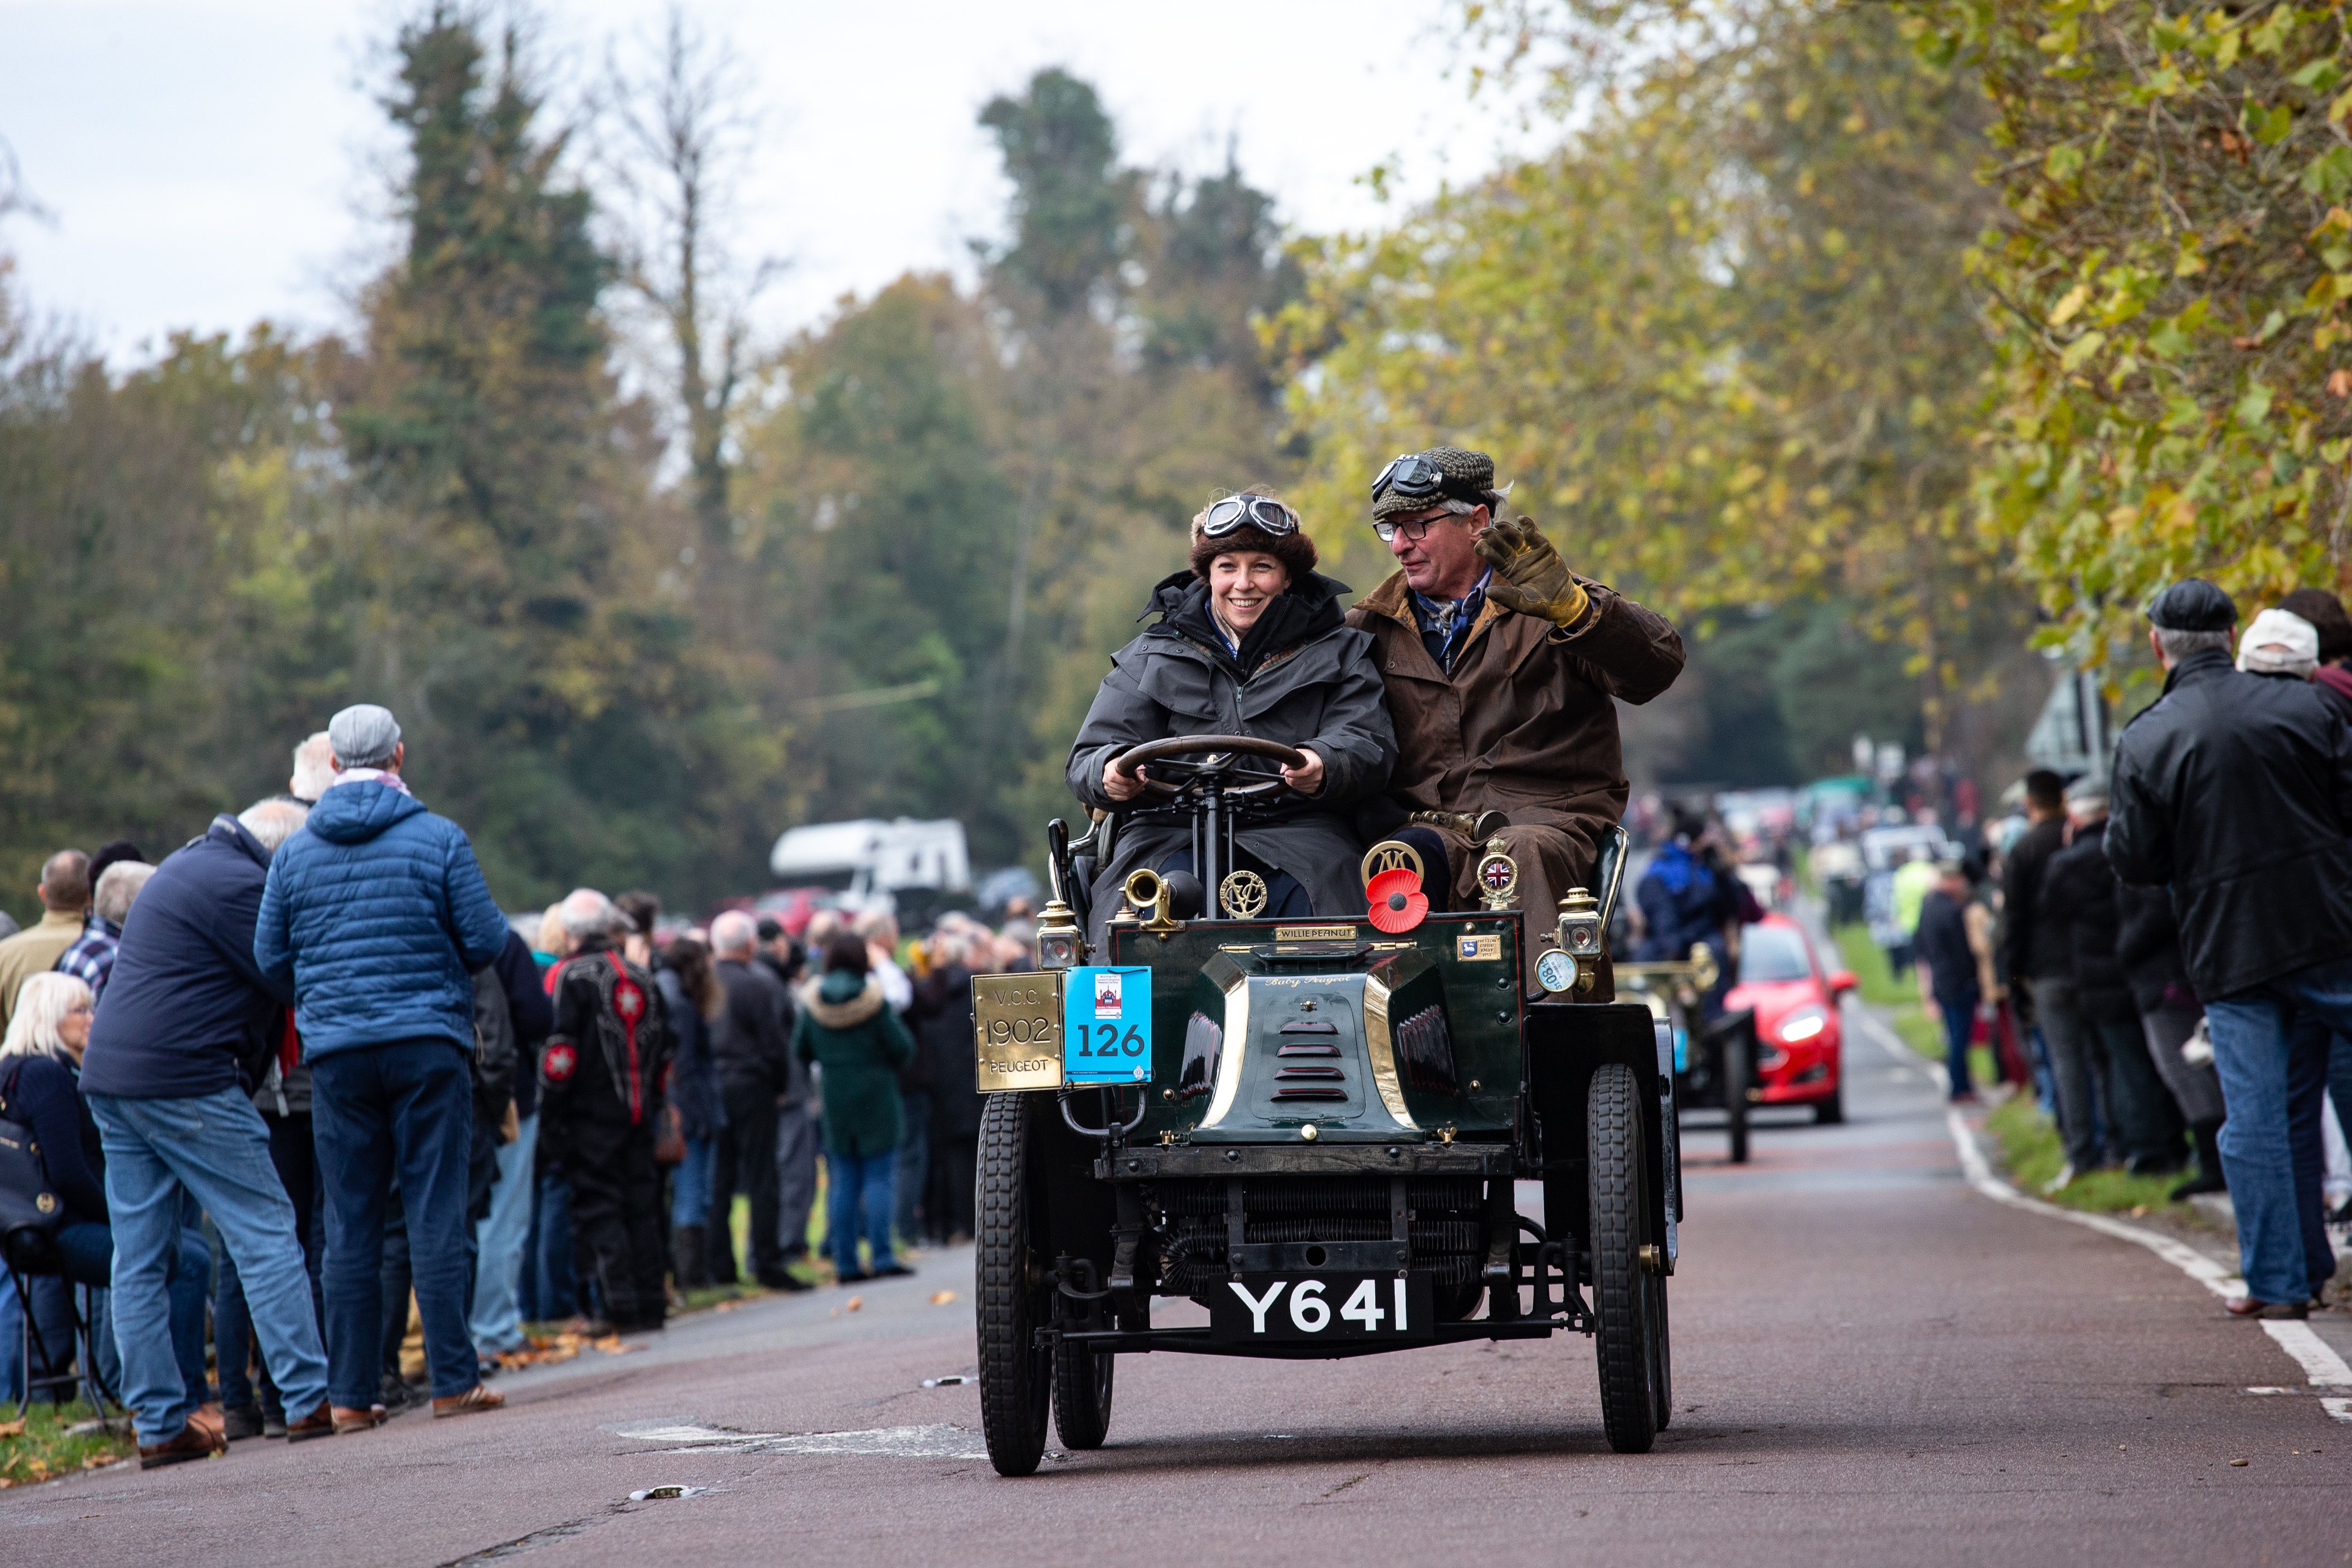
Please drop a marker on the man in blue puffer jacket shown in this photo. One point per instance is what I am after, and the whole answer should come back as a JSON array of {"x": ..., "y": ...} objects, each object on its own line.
[{"x": 376, "y": 912}]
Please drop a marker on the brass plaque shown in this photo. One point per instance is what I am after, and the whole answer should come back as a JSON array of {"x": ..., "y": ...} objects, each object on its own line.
[
  {"x": 1017, "y": 1030},
  {"x": 1313, "y": 933},
  {"x": 1478, "y": 949}
]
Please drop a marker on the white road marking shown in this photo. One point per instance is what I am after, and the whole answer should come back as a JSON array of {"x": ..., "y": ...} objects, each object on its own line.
[{"x": 2317, "y": 1358}]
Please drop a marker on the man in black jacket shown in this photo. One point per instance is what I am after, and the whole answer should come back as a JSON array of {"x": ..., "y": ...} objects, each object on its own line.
[
  {"x": 2078, "y": 891},
  {"x": 752, "y": 1045},
  {"x": 2028, "y": 953},
  {"x": 2237, "y": 790}
]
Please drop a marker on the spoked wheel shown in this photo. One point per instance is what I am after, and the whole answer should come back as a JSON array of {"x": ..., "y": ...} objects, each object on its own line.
[
  {"x": 1082, "y": 1384},
  {"x": 1626, "y": 1295},
  {"x": 1015, "y": 1377}
]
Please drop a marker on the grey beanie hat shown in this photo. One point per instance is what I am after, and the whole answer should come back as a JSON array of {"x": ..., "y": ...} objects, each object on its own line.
[{"x": 363, "y": 735}]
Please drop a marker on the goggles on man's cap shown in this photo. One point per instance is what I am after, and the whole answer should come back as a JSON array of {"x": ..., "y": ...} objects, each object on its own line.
[{"x": 1414, "y": 476}]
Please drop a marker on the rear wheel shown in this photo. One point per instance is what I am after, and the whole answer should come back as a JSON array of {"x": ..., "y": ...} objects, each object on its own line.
[
  {"x": 1014, "y": 1376},
  {"x": 1082, "y": 1386},
  {"x": 1661, "y": 1356},
  {"x": 1630, "y": 1306}
]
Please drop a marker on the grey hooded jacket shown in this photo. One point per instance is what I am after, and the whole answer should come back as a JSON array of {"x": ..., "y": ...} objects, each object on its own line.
[{"x": 1320, "y": 689}]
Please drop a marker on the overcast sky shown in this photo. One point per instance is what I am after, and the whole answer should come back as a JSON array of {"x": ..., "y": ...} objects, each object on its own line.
[{"x": 210, "y": 162}]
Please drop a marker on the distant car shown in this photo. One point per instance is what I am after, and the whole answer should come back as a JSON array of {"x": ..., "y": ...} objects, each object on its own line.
[{"x": 1796, "y": 1002}]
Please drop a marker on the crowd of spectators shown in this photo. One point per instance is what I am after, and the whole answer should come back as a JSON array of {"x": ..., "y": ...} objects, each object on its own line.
[{"x": 320, "y": 1130}]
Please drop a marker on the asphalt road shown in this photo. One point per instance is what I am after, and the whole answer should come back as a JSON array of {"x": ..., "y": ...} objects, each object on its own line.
[{"x": 1874, "y": 1364}]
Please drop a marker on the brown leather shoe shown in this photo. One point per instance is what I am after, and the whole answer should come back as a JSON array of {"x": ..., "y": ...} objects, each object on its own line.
[
  {"x": 2247, "y": 1306},
  {"x": 475, "y": 1398},
  {"x": 319, "y": 1423},
  {"x": 347, "y": 1419},
  {"x": 193, "y": 1442}
]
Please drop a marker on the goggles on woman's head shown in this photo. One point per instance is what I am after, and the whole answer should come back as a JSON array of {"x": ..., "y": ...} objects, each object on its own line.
[{"x": 1262, "y": 513}]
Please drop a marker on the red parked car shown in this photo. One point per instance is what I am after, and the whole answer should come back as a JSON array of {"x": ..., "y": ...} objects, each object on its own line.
[{"x": 1796, "y": 1002}]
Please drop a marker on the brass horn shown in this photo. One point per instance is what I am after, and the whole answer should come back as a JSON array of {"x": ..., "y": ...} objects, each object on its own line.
[{"x": 1147, "y": 890}]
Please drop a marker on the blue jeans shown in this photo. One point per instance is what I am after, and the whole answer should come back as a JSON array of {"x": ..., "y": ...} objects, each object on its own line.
[
  {"x": 498, "y": 1242},
  {"x": 403, "y": 1110},
  {"x": 1959, "y": 1015},
  {"x": 292, "y": 1153},
  {"x": 690, "y": 1191},
  {"x": 554, "y": 1293},
  {"x": 210, "y": 1150},
  {"x": 2271, "y": 1046},
  {"x": 861, "y": 1187}
]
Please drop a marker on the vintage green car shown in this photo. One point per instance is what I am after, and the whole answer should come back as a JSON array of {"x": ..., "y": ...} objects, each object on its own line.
[{"x": 1313, "y": 1129}]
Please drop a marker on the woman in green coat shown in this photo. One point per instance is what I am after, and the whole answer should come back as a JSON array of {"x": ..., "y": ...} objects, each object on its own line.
[{"x": 848, "y": 1031}]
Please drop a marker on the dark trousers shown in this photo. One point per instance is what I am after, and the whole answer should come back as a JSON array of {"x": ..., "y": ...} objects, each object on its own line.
[
  {"x": 914, "y": 1164},
  {"x": 746, "y": 1164},
  {"x": 405, "y": 1110},
  {"x": 296, "y": 1160},
  {"x": 2147, "y": 1119},
  {"x": 1958, "y": 1011},
  {"x": 955, "y": 1163},
  {"x": 616, "y": 1219}
]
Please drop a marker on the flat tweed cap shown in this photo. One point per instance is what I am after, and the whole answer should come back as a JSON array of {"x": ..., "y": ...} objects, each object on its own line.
[
  {"x": 1469, "y": 476},
  {"x": 363, "y": 735},
  {"x": 2193, "y": 604}
]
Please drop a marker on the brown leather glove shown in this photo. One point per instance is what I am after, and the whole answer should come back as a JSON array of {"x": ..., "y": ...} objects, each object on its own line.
[{"x": 1533, "y": 579}]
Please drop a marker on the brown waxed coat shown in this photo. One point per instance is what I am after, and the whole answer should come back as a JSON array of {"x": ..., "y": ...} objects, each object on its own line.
[{"x": 1525, "y": 723}]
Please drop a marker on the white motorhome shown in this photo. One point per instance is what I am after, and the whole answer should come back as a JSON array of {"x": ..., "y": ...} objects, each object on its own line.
[{"x": 871, "y": 862}]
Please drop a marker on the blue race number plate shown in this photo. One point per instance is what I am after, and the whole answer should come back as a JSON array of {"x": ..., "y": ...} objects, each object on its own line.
[{"x": 1106, "y": 1026}]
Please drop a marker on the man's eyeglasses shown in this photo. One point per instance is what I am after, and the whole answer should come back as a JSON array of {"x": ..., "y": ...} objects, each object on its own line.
[
  {"x": 1413, "y": 531},
  {"x": 1262, "y": 513}
]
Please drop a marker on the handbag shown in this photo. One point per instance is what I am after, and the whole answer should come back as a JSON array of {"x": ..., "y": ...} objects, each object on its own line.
[{"x": 30, "y": 1209}]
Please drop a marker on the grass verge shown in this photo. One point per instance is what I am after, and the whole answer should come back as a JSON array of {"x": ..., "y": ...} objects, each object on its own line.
[
  {"x": 2031, "y": 1154},
  {"x": 45, "y": 1446}
]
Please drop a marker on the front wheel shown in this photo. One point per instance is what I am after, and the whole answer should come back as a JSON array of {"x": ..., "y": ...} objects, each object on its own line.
[
  {"x": 1631, "y": 1348},
  {"x": 1082, "y": 1388},
  {"x": 1016, "y": 1376}
]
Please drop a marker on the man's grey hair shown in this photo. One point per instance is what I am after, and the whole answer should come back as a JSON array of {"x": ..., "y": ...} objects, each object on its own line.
[
  {"x": 272, "y": 822},
  {"x": 586, "y": 913},
  {"x": 2088, "y": 795},
  {"x": 314, "y": 768},
  {"x": 118, "y": 885},
  {"x": 734, "y": 932},
  {"x": 2179, "y": 645},
  {"x": 876, "y": 927}
]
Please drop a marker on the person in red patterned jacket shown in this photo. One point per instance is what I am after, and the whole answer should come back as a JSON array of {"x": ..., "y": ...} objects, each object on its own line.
[{"x": 600, "y": 1096}]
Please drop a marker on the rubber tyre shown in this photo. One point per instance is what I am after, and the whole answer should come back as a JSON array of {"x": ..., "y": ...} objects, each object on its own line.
[
  {"x": 1618, "y": 1177},
  {"x": 1015, "y": 1377},
  {"x": 1082, "y": 1390},
  {"x": 1830, "y": 1113}
]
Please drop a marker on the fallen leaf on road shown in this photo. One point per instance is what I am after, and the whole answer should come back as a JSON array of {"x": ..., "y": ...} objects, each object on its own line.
[
  {"x": 613, "y": 1344},
  {"x": 726, "y": 1305},
  {"x": 853, "y": 1303},
  {"x": 941, "y": 1297},
  {"x": 2239, "y": 1464},
  {"x": 12, "y": 1428}
]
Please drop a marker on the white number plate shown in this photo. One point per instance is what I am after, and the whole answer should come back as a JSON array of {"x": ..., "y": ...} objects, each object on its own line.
[{"x": 1309, "y": 1307}]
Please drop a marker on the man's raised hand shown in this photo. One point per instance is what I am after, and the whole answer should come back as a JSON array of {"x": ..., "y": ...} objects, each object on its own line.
[{"x": 1531, "y": 578}]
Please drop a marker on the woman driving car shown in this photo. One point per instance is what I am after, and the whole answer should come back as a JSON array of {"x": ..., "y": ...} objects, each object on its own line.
[{"x": 1250, "y": 641}]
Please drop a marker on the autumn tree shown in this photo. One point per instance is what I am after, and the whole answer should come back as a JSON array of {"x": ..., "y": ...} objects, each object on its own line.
[{"x": 2168, "y": 279}]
